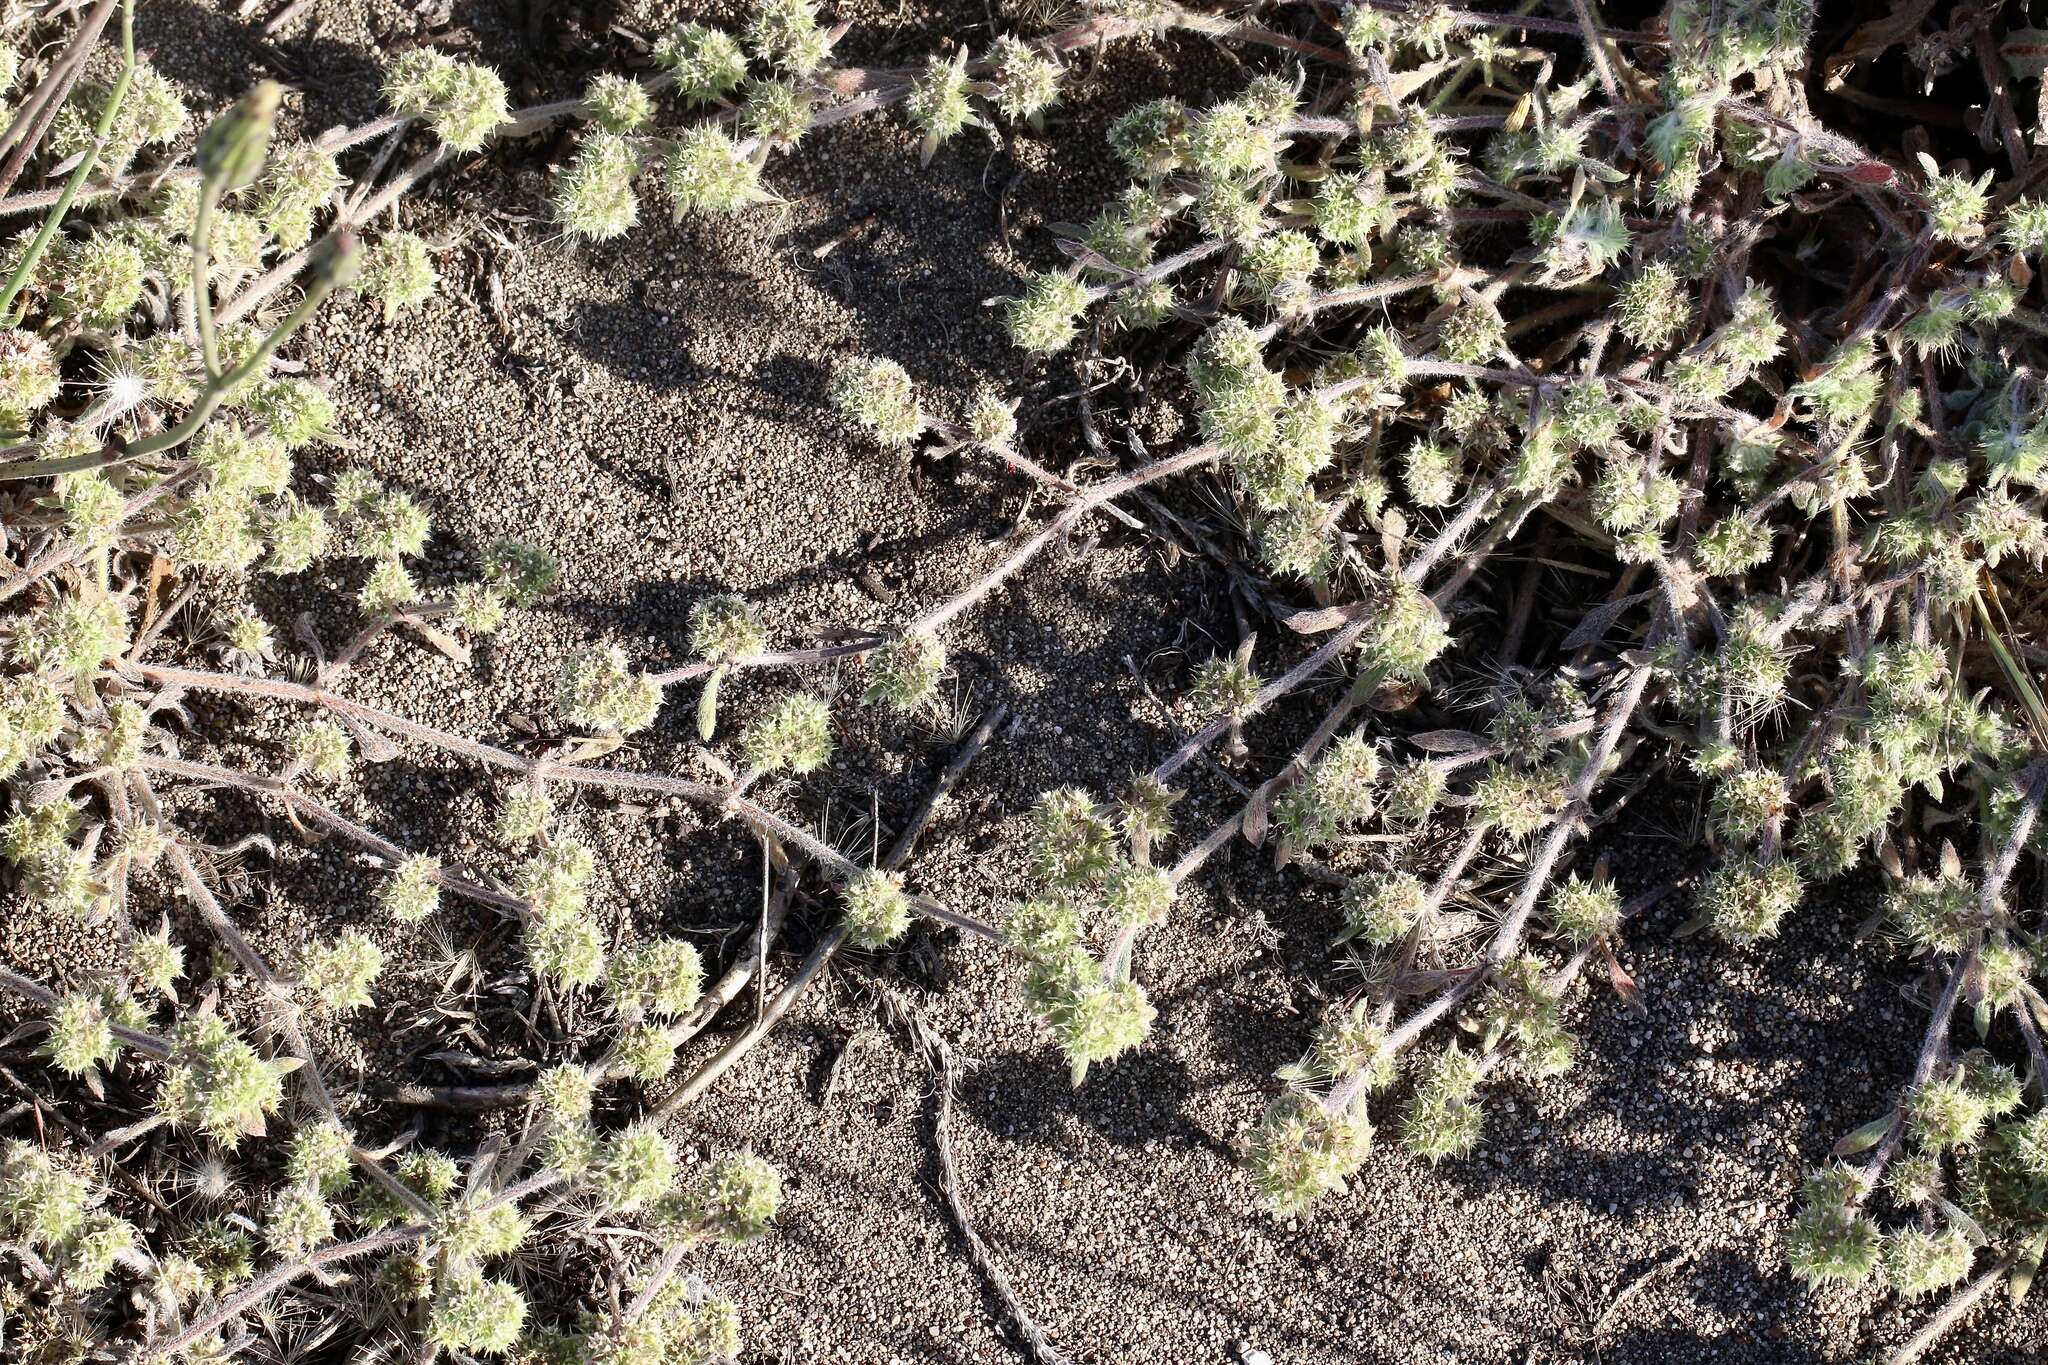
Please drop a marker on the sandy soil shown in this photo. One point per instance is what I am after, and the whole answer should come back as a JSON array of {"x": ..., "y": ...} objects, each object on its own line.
[{"x": 653, "y": 414}]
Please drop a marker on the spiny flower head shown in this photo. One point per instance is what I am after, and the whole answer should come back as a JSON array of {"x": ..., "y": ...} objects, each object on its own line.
[
  {"x": 1432, "y": 473},
  {"x": 339, "y": 974},
  {"x": 398, "y": 271},
  {"x": 1047, "y": 316},
  {"x": 2025, "y": 229},
  {"x": 1348, "y": 1044},
  {"x": 1631, "y": 495},
  {"x": 1947, "y": 1112},
  {"x": 564, "y": 1093},
  {"x": 215, "y": 1082},
  {"x": 938, "y": 105},
  {"x": 1830, "y": 1241},
  {"x": 1753, "y": 335},
  {"x": 878, "y": 395},
  {"x": 93, "y": 509},
  {"x": 1443, "y": 1119},
  {"x": 1146, "y": 812},
  {"x": 519, "y": 572},
  {"x": 1232, "y": 142},
  {"x": 637, "y": 1168},
  {"x": 778, "y": 113},
  {"x": 1746, "y": 801},
  {"x": 663, "y": 976},
  {"x": 1304, "y": 436},
  {"x": 1517, "y": 801},
  {"x": 471, "y": 1313},
  {"x": 707, "y": 172},
  {"x": 1584, "y": 912},
  {"x": 563, "y": 943},
  {"x": 463, "y": 103},
  {"x": 293, "y": 411},
  {"x": 297, "y": 1220},
  {"x": 523, "y": 815},
  {"x": 1652, "y": 306},
  {"x": 1301, "y": 1151},
  {"x": 43, "y": 1202},
  {"x": 1383, "y": 907},
  {"x": 236, "y": 458},
  {"x": 33, "y": 831},
  {"x": 1919, "y": 1262},
  {"x": 786, "y": 34},
  {"x": 877, "y": 911},
  {"x": 81, "y": 1036},
  {"x": 102, "y": 280},
  {"x": 1473, "y": 334},
  {"x": 1744, "y": 901},
  {"x": 1337, "y": 794},
  {"x": 1073, "y": 842},
  {"x": 554, "y": 877},
  {"x": 737, "y": 1200},
  {"x": 1587, "y": 240},
  {"x": 1300, "y": 538},
  {"x": 1098, "y": 1021},
  {"x": 1955, "y": 203},
  {"x": 1412, "y": 792},
  {"x": 379, "y": 522},
  {"x": 647, "y": 1053},
  {"x": 1151, "y": 138},
  {"x": 1278, "y": 266},
  {"x": 1408, "y": 633},
  {"x": 1137, "y": 896},
  {"x": 618, "y": 104},
  {"x": 1240, "y": 398},
  {"x": 1351, "y": 209},
  {"x": 594, "y": 197},
  {"x": 1846, "y": 386},
  {"x": 300, "y": 181},
  {"x": 724, "y": 627},
  {"x": 599, "y": 691},
  {"x": 155, "y": 963},
  {"x": 75, "y": 635},
  {"x": 707, "y": 63},
  {"x": 480, "y": 610},
  {"x": 2027, "y": 1140},
  {"x": 1732, "y": 545},
  {"x": 320, "y": 1155},
  {"x": 470, "y": 1232},
  {"x": 1026, "y": 81},
  {"x": 320, "y": 748},
  {"x": 1225, "y": 686},
  {"x": 152, "y": 115},
  {"x": 795, "y": 733}
]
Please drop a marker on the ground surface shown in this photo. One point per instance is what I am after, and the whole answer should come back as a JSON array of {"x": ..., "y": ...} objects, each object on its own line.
[{"x": 653, "y": 414}]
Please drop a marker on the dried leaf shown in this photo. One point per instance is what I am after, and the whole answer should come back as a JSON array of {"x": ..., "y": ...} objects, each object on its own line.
[
  {"x": 1256, "y": 820},
  {"x": 1624, "y": 985},
  {"x": 1447, "y": 741},
  {"x": 1317, "y": 621},
  {"x": 1601, "y": 619},
  {"x": 1878, "y": 37}
]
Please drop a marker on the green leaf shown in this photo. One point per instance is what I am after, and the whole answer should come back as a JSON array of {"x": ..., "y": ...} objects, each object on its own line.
[
  {"x": 1866, "y": 1137},
  {"x": 2028, "y": 1265},
  {"x": 707, "y": 705},
  {"x": 1964, "y": 1222}
]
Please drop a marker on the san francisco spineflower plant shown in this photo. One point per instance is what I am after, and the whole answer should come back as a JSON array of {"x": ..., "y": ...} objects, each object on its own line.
[{"x": 1742, "y": 515}]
